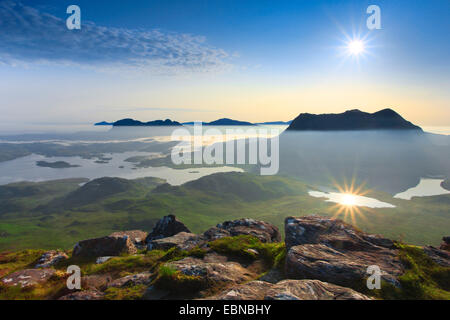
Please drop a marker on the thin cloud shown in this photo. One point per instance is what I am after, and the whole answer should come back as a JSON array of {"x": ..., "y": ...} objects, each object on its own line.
[
  {"x": 29, "y": 36},
  {"x": 135, "y": 109}
]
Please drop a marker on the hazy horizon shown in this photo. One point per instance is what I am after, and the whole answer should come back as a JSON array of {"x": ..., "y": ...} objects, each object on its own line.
[{"x": 252, "y": 61}]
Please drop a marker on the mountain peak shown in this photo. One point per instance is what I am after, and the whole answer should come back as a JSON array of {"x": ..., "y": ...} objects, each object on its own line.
[{"x": 386, "y": 119}]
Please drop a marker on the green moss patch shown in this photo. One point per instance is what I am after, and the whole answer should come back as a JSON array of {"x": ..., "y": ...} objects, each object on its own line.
[
  {"x": 423, "y": 278},
  {"x": 249, "y": 247}
]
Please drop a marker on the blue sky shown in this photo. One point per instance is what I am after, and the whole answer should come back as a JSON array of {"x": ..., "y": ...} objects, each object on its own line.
[{"x": 201, "y": 60}]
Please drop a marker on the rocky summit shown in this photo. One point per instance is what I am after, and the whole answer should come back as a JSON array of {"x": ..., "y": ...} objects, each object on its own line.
[{"x": 320, "y": 259}]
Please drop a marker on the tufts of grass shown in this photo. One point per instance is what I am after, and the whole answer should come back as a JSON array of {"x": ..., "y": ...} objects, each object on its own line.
[
  {"x": 130, "y": 264},
  {"x": 252, "y": 248},
  {"x": 52, "y": 289},
  {"x": 423, "y": 278},
  {"x": 126, "y": 293},
  {"x": 174, "y": 254},
  {"x": 14, "y": 261},
  {"x": 169, "y": 278}
]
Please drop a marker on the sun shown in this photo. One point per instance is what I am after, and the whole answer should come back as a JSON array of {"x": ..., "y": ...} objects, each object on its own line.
[
  {"x": 348, "y": 200},
  {"x": 347, "y": 207},
  {"x": 356, "y": 47}
]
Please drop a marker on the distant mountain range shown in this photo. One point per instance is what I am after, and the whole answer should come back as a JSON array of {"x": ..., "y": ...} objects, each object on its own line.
[
  {"x": 348, "y": 120},
  {"x": 168, "y": 122},
  {"x": 352, "y": 120},
  {"x": 136, "y": 123},
  {"x": 104, "y": 123},
  {"x": 224, "y": 122}
]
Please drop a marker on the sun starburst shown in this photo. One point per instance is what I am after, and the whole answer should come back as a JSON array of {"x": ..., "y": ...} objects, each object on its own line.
[{"x": 347, "y": 208}]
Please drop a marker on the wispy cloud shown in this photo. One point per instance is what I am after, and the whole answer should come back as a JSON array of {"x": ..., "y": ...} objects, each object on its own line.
[
  {"x": 136, "y": 109},
  {"x": 29, "y": 36}
]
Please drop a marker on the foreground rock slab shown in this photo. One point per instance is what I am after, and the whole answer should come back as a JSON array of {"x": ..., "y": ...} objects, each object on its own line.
[
  {"x": 254, "y": 290},
  {"x": 28, "y": 277},
  {"x": 311, "y": 290},
  {"x": 50, "y": 258},
  {"x": 143, "y": 278},
  {"x": 95, "y": 282},
  {"x": 182, "y": 240},
  {"x": 289, "y": 290},
  {"x": 84, "y": 295},
  {"x": 264, "y": 231},
  {"x": 441, "y": 257},
  {"x": 213, "y": 272},
  {"x": 106, "y": 246},
  {"x": 333, "y": 251}
]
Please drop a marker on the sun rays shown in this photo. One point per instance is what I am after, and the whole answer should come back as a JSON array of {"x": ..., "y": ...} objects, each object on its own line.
[{"x": 347, "y": 207}]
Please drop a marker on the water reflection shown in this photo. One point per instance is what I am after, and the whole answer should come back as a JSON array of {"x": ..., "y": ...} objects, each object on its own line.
[
  {"x": 426, "y": 187},
  {"x": 350, "y": 200}
]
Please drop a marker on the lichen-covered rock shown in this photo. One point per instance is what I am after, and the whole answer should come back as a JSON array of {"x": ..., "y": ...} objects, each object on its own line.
[
  {"x": 441, "y": 257},
  {"x": 333, "y": 251},
  {"x": 289, "y": 290},
  {"x": 166, "y": 227},
  {"x": 311, "y": 290},
  {"x": 253, "y": 290},
  {"x": 332, "y": 232},
  {"x": 28, "y": 277},
  {"x": 96, "y": 282},
  {"x": 137, "y": 236},
  {"x": 182, "y": 240},
  {"x": 50, "y": 258},
  {"x": 264, "y": 231},
  {"x": 84, "y": 295},
  {"x": 144, "y": 278},
  {"x": 101, "y": 260},
  {"x": 106, "y": 246},
  {"x": 213, "y": 272},
  {"x": 215, "y": 233},
  {"x": 445, "y": 245}
]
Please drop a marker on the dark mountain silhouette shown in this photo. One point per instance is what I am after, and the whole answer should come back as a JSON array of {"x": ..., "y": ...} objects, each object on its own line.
[
  {"x": 223, "y": 122},
  {"x": 352, "y": 120},
  {"x": 276, "y": 122},
  {"x": 136, "y": 123},
  {"x": 104, "y": 123}
]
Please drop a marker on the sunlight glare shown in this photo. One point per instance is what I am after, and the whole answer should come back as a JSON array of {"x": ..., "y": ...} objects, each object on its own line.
[
  {"x": 355, "y": 47},
  {"x": 348, "y": 200}
]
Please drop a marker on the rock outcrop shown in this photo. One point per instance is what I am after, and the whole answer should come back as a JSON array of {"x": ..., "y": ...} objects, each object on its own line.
[
  {"x": 289, "y": 290},
  {"x": 182, "y": 240},
  {"x": 84, "y": 295},
  {"x": 137, "y": 236},
  {"x": 213, "y": 273},
  {"x": 144, "y": 278},
  {"x": 441, "y": 257},
  {"x": 95, "y": 282},
  {"x": 264, "y": 231},
  {"x": 106, "y": 246},
  {"x": 445, "y": 245},
  {"x": 324, "y": 259},
  {"x": 166, "y": 227},
  {"x": 28, "y": 277},
  {"x": 333, "y": 251},
  {"x": 51, "y": 258}
]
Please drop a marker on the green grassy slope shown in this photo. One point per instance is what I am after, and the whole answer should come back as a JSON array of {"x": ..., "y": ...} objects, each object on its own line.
[{"x": 49, "y": 220}]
